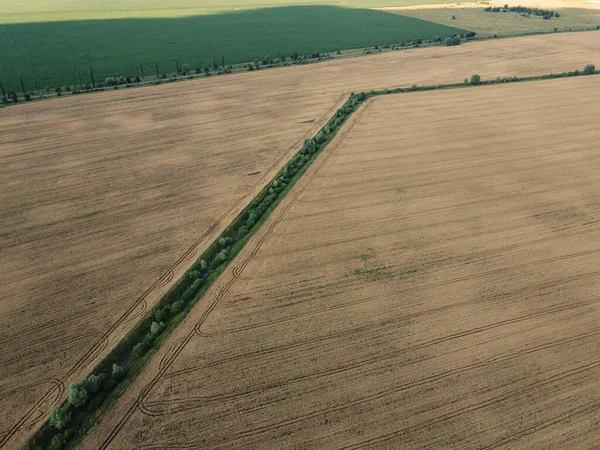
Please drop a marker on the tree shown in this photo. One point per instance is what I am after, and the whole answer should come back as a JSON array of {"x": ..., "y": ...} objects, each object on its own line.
[
  {"x": 92, "y": 79},
  {"x": 141, "y": 73},
  {"x": 589, "y": 69},
  {"x": 79, "y": 78},
  {"x": 214, "y": 61},
  {"x": 76, "y": 395},
  {"x": 453, "y": 17},
  {"x": 475, "y": 79},
  {"x": 58, "y": 90},
  {"x": 257, "y": 64},
  {"x": 139, "y": 349},
  {"x": 3, "y": 92},
  {"x": 22, "y": 85},
  {"x": 12, "y": 96},
  {"x": 156, "y": 327},
  {"x": 176, "y": 66},
  {"x": 185, "y": 69},
  {"x": 156, "y": 70},
  {"x": 203, "y": 264},
  {"x": 60, "y": 417},
  {"x": 91, "y": 384},
  {"x": 223, "y": 62},
  {"x": 117, "y": 373}
]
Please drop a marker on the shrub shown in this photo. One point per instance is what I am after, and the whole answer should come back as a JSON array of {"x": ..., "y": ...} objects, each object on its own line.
[
  {"x": 58, "y": 442},
  {"x": 589, "y": 69},
  {"x": 76, "y": 395},
  {"x": 92, "y": 383},
  {"x": 160, "y": 315},
  {"x": 242, "y": 231},
  {"x": 252, "y": 218},
  {"x": 203, "y": 264},
  {"x": 157, "y": 327},
  {"x": 177, "y": 307},
  {"x": 194, "y": 274},
  {"x": 140, "y": 349},
  {"x": 221, "y": 257},
  {"x": 60, "y": 417},
  {"x": 117, "y": 373},
  {"x": 475, "y": 79}
]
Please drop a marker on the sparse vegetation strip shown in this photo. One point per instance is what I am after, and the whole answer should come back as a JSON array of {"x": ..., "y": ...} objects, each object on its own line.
[{"x": 87, "y": 400}]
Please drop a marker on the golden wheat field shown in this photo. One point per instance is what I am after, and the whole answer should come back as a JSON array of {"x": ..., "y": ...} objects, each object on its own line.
[
  {"x": 431, "y": 282},
  {"x": 106, "y": 199}
]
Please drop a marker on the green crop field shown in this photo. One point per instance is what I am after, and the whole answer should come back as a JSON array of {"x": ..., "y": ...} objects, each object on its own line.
[{"x": 49, "y": 42}]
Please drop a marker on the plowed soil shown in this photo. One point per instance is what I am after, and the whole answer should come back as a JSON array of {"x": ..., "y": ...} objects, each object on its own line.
[
  {"x": 431, "y": 282},
  {"x": 107, "y": 198}
]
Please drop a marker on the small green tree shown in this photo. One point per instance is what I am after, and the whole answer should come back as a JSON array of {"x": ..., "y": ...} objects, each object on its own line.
[
  {"x": 214, "y": 63},
  {"x": 185, "y": 68},
  {"x": 475, "y": 79},
  {"x": 22, "y": 85},
  {"x": 76, "y": 395},
  {"x": 117, "y": 373},
  {"x": 156, "y": 70},
  {"x": 203, "y": 264},
  {"x": 589, "y": 69},
  {"x": 141, "y": 73},
  {"x": 223, "y": 62},
  {"x": 60, "y": 417},
  {"x": 156, "y": 327},
  {"x": 139, "y": 350},
  {"x": 91, "y": 384},
  {"x": 79, "y": 79}
]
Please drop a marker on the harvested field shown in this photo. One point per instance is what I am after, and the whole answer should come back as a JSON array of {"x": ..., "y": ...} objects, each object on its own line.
[
  {"x": 109, "y": 197},
  {"x": 430, "y": 283},
  {"x": 574, "y": 14}
]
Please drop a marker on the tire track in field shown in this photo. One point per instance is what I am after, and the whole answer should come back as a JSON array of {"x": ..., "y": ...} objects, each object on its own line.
[
  {"x": 511, "y": 393},
  {"x": 102, "y": 342},
  {"x": 313, "y": 342},
  {"x": 237, "y": 270},
  {"x": 195, "y": 401},
  {"x": 514, "y": 392},
  {"x": 410, "y": 290},
  {"x": 582, "y": 409}
]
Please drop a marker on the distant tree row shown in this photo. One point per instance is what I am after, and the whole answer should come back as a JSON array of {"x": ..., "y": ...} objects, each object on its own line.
[{"x": 545, "y": 13}]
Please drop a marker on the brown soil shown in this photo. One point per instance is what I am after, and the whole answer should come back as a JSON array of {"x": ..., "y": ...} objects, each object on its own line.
[
  {"x": 107, "y": 198},
  {"x": 430, "y": 283}
]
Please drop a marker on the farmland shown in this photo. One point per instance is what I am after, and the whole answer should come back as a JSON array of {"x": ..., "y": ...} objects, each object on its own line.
[
  {"x": 574, "y": 14},
  {"x": 53, "y": 52},
  {"x": 108, "y": 198},
  {"x": 430, "y": 282}
]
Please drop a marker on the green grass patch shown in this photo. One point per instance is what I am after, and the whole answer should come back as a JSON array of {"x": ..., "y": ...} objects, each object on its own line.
[{"x": 52, "y": 53}]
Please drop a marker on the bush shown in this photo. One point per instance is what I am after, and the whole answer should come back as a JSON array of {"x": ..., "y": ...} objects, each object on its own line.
[
  {"x": 589, "y": 69},
  {"x": 157, "y": 327},
  {"x": 221, "y": 257},
  {"x": 117, "y": 373},
  {"x": 139, "y": 349},
  {"x": 92, "y": 383},
  {"x": 194, "y": 274},
  {"x": 475, "y": 79},
  {"x": 177, "y": 307},
  {"x": 76, "y": 395},
  {"x": 58, "y": 442},
  {"x": 60, "y": 417}
]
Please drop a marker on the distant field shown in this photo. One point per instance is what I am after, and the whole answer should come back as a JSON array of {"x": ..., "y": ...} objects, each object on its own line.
[
  {"x": 52, "y": 52},
  {"x": 431, "y": 282},
  {"x": 575, "y": 15},
  {"x": 47, "y": 11}
]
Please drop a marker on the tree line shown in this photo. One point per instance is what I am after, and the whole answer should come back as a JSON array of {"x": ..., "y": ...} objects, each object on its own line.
[{"x": 545, "y": 13}]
